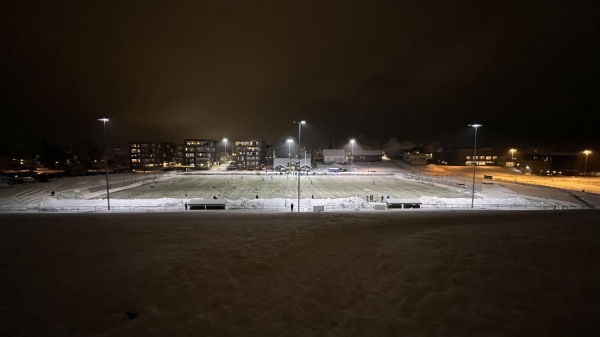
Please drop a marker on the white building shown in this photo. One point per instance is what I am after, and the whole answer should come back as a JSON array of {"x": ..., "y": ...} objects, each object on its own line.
[
  {"x": 416, "y": 159},
  {"x": 281, "y": 164},
  {"x": 334, "y": 156}
]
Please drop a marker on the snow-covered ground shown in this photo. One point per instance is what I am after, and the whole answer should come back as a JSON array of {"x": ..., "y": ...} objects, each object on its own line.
[
  {"x": 274, "y": 192},
  {"x": 444, "y": 273}
]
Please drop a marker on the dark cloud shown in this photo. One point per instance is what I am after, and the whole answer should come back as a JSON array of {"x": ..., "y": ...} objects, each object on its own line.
[{"x": 389, "y": 69}]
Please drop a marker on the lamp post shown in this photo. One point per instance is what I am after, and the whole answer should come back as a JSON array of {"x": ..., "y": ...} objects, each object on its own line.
[
  {"x": 289, "y": 141},
  {"x": 476, "y": 126},
  {"x": 225, "y": 143},
  {"x": 586, "y": 152},
  {"x": 104, "y": 120},
  {"x": 351, "y": 152},
  {"x": 512, "y": 154},
  {"x": 300, "y": 123}
]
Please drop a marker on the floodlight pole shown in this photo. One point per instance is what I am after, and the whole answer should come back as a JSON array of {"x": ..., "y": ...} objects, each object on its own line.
[
  {"x": 299, "y": 159},
  {"x": 289, "y": 141},
  {"x": 104, "y": 120},
  {"x": 586, "y": 152},
  {"x": 476, "y": 126},
  {"x": 305, "y": 156},
  {"x": 351, "y": 152}
]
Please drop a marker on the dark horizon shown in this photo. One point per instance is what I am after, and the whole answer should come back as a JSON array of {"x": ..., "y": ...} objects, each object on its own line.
[{"x": 417, "y": 72}]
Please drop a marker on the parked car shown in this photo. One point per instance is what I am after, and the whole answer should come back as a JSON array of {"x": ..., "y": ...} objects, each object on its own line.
[{"x": 19, "y": 180}]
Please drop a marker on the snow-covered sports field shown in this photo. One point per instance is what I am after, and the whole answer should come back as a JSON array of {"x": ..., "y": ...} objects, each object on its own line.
[{"x": 275, "y": 192}]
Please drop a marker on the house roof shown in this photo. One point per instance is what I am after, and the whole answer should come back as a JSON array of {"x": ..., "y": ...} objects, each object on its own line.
[
  {"x": 333, "y": 153},
  {"x": 367, "y": 153}
]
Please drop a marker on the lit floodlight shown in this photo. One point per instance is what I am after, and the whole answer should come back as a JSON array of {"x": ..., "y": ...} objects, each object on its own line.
[
  {"x": 512, "y": 154},
  {"x": 587, "y": 153}
]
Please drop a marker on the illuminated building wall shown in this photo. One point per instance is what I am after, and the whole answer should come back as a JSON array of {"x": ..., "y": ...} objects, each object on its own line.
[
  {"x": 249, "y": 154},
  {"x": 150, "y": 155},
  {"x": 199, "y": 154}
]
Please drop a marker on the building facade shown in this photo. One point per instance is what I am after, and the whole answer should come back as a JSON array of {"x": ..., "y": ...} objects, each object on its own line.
[
  {"x": 416, "y": 159},
  {"x": 199, "y": 154},
  {"x": 249, "y": 154},
  {"x": 464, "y": 157},
  {"x": 550, "y": 163},
  {"x": 150, "y": 155},
  {"x": 294, "y": 164},
  {"x": 331, "y": 156},
  {"x": 366, "y": 156},
  {"x": 269, "y": 156}
]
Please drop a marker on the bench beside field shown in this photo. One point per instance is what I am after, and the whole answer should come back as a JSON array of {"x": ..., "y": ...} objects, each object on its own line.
[
  {"x": 403, "y": 203},
  {"x": 205, "y": 204}
]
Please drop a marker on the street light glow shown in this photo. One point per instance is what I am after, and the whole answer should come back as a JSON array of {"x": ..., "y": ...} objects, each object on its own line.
[{"x": 586, "y": 152}]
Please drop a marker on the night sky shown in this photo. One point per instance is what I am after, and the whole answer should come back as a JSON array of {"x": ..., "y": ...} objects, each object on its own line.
[{"x": 411, "y": 70}]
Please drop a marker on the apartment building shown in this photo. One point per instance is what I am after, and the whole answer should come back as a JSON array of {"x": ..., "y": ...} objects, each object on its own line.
[
  {"x": 249, "y": 154},
  {"x": 199, "y": 154},
  {"x": 269, "y": 156},
  {"x": 146, "y": 155}
]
